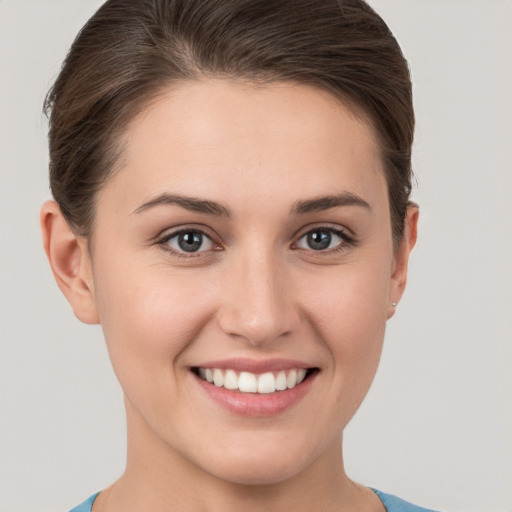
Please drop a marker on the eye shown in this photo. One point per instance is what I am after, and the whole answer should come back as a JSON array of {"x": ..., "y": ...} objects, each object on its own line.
[
  {"x": 188, "y": 241},
  {"x": 322, "y": 239}
]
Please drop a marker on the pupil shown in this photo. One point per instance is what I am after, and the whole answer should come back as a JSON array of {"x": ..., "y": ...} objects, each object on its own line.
[
  {"x": 190, "y": 241},
  {"x": 319, "y": 240}
]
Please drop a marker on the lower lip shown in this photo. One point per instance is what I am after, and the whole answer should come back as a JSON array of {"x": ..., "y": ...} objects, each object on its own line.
[{"x": 257, "y": 404}]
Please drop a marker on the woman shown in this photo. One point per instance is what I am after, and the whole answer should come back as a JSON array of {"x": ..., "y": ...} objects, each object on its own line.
[{"x": 231, "y": 183}]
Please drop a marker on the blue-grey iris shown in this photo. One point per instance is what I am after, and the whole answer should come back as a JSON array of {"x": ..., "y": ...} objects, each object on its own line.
[
  {"x": 190, "y": 241},
  {"x": 319, "y": 240}
]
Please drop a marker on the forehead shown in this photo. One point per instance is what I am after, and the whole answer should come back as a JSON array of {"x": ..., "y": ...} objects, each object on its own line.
[{"x": 217, "y": 136}]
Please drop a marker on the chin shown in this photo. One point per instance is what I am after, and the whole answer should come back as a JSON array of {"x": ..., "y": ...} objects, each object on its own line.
[
  {"x": 260, "y": 473},
  {"x": 265, "y": 463}
]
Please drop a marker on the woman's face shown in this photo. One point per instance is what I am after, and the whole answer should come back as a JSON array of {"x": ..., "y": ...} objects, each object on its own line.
[{"x": 246, "y": 236}]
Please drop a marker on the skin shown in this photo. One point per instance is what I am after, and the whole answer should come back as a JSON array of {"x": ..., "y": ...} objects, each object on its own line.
[{"x": 258, "y": 290}]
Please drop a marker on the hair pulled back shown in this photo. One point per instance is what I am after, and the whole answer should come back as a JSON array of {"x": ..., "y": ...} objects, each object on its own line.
[{"x": 131, "y": 50}]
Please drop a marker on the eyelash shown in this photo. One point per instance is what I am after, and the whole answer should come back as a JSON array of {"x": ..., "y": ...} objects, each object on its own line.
[
  {"x": 348, "y": 241},
  {"x": 164, "y": 240}
]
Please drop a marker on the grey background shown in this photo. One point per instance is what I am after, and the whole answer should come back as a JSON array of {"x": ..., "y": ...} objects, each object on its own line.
[{"x": 436, "y": 427}]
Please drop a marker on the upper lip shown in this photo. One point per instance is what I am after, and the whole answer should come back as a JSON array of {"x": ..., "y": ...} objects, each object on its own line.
[{"x": 254, "y": 365}]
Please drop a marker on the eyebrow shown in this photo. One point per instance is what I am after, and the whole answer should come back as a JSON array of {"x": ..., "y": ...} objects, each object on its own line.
[
  {"x": 319, "y": 204},
  {"x": 192, "y": 204},
  {"x": 208, "y": 207}
]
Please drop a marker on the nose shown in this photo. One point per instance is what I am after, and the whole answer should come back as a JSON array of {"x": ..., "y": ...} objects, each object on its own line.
[{"x": 258, "y": 303}]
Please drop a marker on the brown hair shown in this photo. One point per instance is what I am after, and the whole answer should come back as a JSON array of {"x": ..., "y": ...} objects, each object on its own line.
[{"x": 130, "y": 50}]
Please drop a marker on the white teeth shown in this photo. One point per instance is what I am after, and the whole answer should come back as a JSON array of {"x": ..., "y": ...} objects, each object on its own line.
[
  {"x": 248, "y": 382},
  {"x": 301, "y": 375},
  {"x": 291, "y": 379},
  {"x": 266, "y": 383},
  {"x": 281, "y": 381},
  {"x": 218, "y": 377},
  {"x": 231, "y": 380}
]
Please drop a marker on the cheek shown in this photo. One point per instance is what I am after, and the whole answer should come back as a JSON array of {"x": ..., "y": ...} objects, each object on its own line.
[
  {"x": 353, "y": 298},
  {"x": 351, "y": 318},
  {"x": 149, "y": 316},
  {"x": 349, "y": 308}
]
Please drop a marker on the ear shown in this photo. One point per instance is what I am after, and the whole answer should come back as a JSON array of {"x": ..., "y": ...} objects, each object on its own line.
[
  {"x": 70, "y": 262},
  {"x": 401, "y": 258}
]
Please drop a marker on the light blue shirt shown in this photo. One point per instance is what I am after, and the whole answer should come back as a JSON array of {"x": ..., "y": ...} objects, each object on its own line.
[{"x": 391, "y": 504}]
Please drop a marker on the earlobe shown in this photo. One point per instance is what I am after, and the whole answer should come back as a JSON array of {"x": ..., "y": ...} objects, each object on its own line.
[
  {"x": 70, "y": 262},
  {"x": 401, "y": 259}
]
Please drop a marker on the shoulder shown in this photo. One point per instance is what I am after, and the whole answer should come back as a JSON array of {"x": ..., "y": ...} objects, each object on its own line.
[
  {"x": 394, "y": 504},
  {"x": 86, "y": 506}
]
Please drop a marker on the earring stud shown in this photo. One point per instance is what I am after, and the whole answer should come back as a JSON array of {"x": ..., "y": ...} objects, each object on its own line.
[{"x": 394, "y": 304}]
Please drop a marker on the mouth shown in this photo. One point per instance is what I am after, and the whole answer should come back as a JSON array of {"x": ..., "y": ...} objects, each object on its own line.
[
  {"x": 265, "y": 383},
  {"x": 255, "y": 388}
]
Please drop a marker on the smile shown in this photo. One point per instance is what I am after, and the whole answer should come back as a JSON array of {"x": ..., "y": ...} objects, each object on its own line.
[
  {"x": 252, "y": 388},
  {"x": 247, "y": 382}
]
